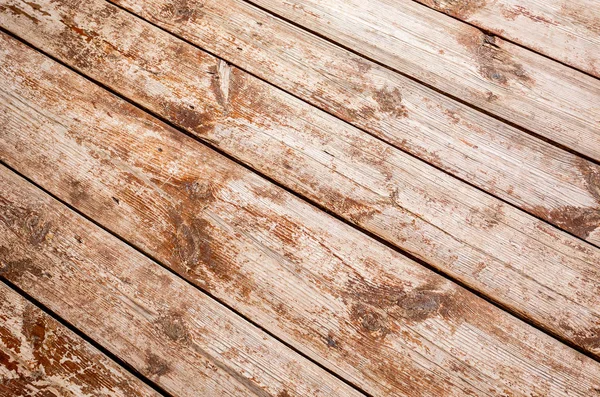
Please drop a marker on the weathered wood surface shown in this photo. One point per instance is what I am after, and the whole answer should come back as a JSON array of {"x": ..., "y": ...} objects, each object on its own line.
[
  {"x": 165, "y": 328},
  {"x": 496, "y": 249},
  {"x": 566, "y": 30},
  {"x": 525, "y": 88},
  {"x": 361, "y": 309},
  {"x": 41, "y": 357},
  {"x": 536, "y": 176}
]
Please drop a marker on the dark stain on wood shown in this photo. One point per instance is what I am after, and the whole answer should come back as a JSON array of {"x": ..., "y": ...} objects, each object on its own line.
[
  {"x": 577, "y": 220},
  {"x": 390, "y": 101},
  {"x": 589, "y": 338},
  {"x": 495, "y": 64},
  {"x": 408, "y": 304},
  {"x": 18, "y": 12},
  {"x": 330, "y": 340},
  {"x": 156, "y": 366},
  {"x": 173, "y": 325},
  {"x": 581, "y": 221},
  {"x": 37, "y": 8}
]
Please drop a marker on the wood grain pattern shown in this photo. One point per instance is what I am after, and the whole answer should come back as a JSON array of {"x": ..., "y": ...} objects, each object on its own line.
[
  {"x": 364, "y": 311},
  {"x": 41, "y": 357},
  {"x": 501, "y": 252},
  {"x": 565, "y": 30},
  {"x": 534, "y": 92},
  {"x": 543, "y": 180},
  {"x": 162, "y": 326}
]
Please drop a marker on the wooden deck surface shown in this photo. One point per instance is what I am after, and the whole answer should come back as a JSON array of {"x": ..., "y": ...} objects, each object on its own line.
[{"x": 300, "y": 198}]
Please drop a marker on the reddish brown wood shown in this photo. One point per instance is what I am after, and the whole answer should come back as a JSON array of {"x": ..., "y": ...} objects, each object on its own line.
[
  {"x": 359, "y": 308},
  {"x": 157, "y": 323},
  {"x": 510, "y": 257},
  {"x": 41, "y": 357}
]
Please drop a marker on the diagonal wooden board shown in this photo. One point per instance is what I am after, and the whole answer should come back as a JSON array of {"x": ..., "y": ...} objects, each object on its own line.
[
  {"x": 165, "y": 328},
  {"x": 359, "y": 308},
  {"x": 534, "y": 175},
  {"x": 509, "y": 81},
  {"x": 565, "y": 30},
  {"x": 41, "y": 357},
  {"x": 495, "y": 249}
]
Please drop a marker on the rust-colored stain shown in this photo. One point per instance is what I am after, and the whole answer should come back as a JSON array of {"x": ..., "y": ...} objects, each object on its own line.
[
  {"x": 515, "y": 11},
  {"x": 55, "y": 359},
  {"x": 589, "y": 20}
]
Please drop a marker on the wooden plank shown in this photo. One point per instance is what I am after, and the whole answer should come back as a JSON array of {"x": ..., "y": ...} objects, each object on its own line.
[
  {"x": 41, "y": 357},
  {"x": 536, "y": 176},
  {"x": 161, "y": 325},
  {"x": 565, "y": 30},
  {"x": 536, "y": 93},
  {"x": 366, "y": 312},
  {"x": 502, "y": 253}
]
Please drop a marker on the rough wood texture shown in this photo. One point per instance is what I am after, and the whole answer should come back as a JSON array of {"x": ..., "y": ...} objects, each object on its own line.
[
  {"x": 566, "y": 30},
  {"x": 361, "y": 309},
  {"x": 550, "y": 99},
  {"x": 538, "y": 177},
  {"x": 162, "y": 326},
  {"x": 510, "y": 257},
  {"x": 41, "y": 357}
]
